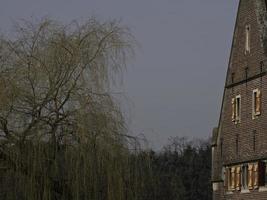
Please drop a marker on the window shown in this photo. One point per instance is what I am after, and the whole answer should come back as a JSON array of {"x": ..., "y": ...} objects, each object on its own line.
[
  {"x": 238, "y": 178},
  {"x": 245, "y": 176},
  {"x": 262, "y": 173},
  {"x": 233, "y": 178},
  {"x": 263, "y": 170},
  {"x": 247, "y": 42},
  {"x": 253, "y": 175},
  {"x": 233, "y": 109},
  {"x": 256, "y": 175},
  {"x": 256, "y": 103},
  {"x": 229, "y": 179},
  {"x": 236, "y": 109},
  {"x": 250, "y": 176}
]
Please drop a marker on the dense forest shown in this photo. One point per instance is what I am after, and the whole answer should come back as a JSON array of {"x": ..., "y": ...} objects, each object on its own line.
[
  {"x": 181, "y": 171},
  {"x": 62, "y": 132}
]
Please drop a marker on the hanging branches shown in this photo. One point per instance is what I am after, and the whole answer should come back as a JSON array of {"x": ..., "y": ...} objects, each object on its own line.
[{"x": 62, "y": 133}]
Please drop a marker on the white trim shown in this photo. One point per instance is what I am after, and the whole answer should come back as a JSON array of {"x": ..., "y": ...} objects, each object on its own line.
[
  {"x": 238, "y": 114},
  {"x": 233, "y": 105},
  {"x": 254, "y": 113},
  {"x": 247, "y": 38},
  {"x": 215, "y": 186},
  {"x": 263, "y": 189},
  {"x": 245, "y": 191}
]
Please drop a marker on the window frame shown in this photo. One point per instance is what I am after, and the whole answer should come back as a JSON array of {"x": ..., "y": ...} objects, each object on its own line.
[
  {"x": 250, "y": 176},
  {"x": 244, "y": 177},
  {"x": 238, "y": 183},
  {"x": 256, "y": 93},
  {"x": 237, "y": 109},
  {"x": 233, "y": 178}
]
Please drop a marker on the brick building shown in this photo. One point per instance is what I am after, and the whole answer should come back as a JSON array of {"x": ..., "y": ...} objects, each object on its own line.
[{"x": 239, "y": 145}]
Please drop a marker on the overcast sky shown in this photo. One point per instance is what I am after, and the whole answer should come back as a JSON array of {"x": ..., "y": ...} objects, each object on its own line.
[{"x": 175, "y": 84}]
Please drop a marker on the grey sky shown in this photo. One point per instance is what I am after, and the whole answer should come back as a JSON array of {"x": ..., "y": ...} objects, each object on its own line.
[{"x": 175, "y": 84}]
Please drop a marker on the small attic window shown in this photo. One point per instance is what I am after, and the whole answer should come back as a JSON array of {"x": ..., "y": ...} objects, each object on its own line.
[{"x": 247, "y": 42}]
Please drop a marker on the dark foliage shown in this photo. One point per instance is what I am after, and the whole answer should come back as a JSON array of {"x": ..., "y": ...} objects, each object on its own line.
[{"x": 180, "y": 172}]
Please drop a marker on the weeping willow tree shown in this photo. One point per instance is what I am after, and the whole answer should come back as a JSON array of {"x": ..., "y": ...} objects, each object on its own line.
[{"x": 62, "y": 134}]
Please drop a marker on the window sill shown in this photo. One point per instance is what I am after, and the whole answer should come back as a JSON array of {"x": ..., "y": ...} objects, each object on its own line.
[
  {"x": 247, "y": 52},
  {"x": 229, "y": 192},
  {"x": 255, "y": 117},
  {"x": 237, "y": 120},
  {"x": 245, "y": 191},
  {"x": 263, "y": 189}
]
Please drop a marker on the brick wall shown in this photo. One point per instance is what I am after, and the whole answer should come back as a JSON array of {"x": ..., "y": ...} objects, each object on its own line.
[{"x": 252, "y": 13}]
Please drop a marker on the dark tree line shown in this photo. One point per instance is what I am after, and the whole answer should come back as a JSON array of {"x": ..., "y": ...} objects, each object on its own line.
[
  {"x": 175, "y": 173},
  {"x": 181, "y": 171}
]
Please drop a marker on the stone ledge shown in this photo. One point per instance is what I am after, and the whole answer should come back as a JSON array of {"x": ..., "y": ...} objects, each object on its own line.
[{"x": 263, "y": 189}]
